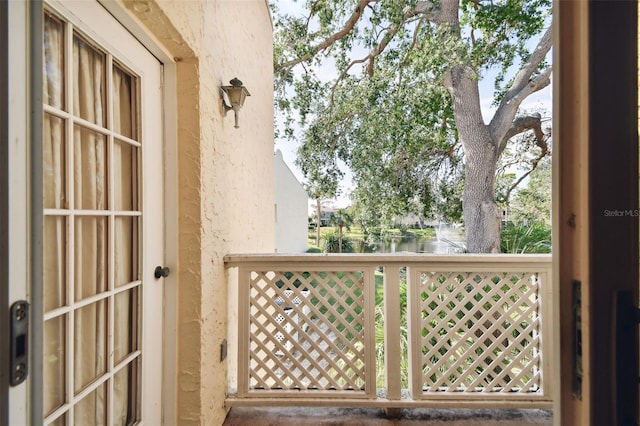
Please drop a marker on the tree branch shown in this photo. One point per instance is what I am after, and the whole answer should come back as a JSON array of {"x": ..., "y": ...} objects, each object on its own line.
[
  {"x": 522, "y": 124},
  {"x": 534, "y": 165},
  {"x": 391, "y": 33},
  {"x": 343, "y": 75},
  {"x": 523, "y": 76},
  {"x": 348, "y": 26},
  {"x": 426, "y": 8},
  {"x": 430, "y": 10},
  {"x": 414, "y": 41},
  {"x": 523, "y": 85}
]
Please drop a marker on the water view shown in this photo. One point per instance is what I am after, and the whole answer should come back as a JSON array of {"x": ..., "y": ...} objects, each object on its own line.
[{"x": 447, "y": 241}]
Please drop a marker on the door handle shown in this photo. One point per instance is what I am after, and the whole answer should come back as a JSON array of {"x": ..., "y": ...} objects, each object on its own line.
[{"x": 161, "y": 272}]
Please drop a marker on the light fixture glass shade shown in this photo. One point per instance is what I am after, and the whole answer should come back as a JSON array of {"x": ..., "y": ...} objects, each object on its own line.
[{"x": 236, "y": 94}]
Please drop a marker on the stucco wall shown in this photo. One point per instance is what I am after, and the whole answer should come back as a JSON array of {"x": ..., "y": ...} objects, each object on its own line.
[
  {"x": 292, "y": 209},
  {"x": 225, "y": 175}
]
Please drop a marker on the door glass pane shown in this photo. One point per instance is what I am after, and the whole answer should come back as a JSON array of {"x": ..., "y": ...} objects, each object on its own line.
[
  {"x": 89, "y": 167},
  {"x": 126, "y": 250},
  {"x": 60, "y": 421},
  {"x": 92, "y": 409},
  {"x": 54, "y": 363},
  {"x": 90, "y": 277},
  {"x": 53, "y": 76},
  {"x": 125, "y": 176},
  {"x": 90, "y": 344},
  {"x": 124, "y": 108},
  {"x": 89, "y": 82},
  {"x": 125, "y": 324},
  {"x": 125, "y": 410},
  {"x": 54, "y": 159},
  {"x": 55, "y": 262}
]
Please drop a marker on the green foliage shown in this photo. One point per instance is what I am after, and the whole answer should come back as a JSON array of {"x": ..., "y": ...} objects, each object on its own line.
[
  {"x": 341, "y": 219},
  {"x": 449, "y": 201},
  {"x": 380, "y": 333},
  {"x": 533, "y": 203},
  {"x": 499, "y": 34},
  {"x": 533, "y": 169},
  {"x": 320, "y": 168},
  {"x": 332, "y": 243},
  {"x": 389, "y": 116},
  {"x": 519, "y": 238},
  {"x": 504, "y": 182}
]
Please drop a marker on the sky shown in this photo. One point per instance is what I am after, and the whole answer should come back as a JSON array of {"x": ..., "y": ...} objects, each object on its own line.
[{"x": 541, "y": 101}]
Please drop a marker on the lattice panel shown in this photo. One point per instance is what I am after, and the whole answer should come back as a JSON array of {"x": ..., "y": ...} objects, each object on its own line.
[
  {"x": 480, "y": 332},
  {"x": 307, "y": 331}
]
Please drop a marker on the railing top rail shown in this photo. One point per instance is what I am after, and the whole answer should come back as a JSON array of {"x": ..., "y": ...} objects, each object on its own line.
[{"x": 377, "y": 259}]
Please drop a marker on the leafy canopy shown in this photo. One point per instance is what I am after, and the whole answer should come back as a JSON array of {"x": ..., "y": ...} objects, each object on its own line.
[{"x": 364, "y": 80}]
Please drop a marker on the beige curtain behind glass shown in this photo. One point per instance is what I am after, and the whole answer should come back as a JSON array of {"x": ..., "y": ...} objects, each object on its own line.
[
  {"x": 54, "y": 160},
  {"x": 55, "y": 260},
  {"x": 90, "y": 233},
  {"x": 125, "y": 232},
  {"x": 89, "y": 223}
]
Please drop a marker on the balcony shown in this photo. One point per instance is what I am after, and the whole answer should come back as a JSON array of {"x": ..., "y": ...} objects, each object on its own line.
[{"x": 390, "y": 331}]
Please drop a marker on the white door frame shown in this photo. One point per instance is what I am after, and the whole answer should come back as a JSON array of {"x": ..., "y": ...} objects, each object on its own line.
[
  {"x": 24, "y": 209},
  {"x": 4, "y": 203},
  {"x": 136, "y": 28}
]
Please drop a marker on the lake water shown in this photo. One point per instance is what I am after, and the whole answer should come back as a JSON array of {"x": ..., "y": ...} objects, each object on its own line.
[{"x": 452, "y": 244}]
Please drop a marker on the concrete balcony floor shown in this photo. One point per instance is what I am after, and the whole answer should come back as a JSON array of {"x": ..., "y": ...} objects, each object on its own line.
[{"x": 282, "y": 416}]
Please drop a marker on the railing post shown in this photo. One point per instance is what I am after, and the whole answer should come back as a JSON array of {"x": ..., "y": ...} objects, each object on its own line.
[
  {"x": 370, "y": 330},
  {"x": 244, "y": 279},
  {"x": 392, "y": 348},
  {"x": 547, "y": 346},
  {"x": 414, "y": 333}
]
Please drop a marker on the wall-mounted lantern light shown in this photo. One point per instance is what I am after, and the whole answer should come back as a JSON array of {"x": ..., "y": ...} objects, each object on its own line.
[{"x": 233, "y": 97}]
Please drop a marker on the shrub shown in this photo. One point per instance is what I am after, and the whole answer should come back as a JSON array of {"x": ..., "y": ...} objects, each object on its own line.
[
  {"x": 332, "y": 243},
  {"x": 519, "y": 238}
]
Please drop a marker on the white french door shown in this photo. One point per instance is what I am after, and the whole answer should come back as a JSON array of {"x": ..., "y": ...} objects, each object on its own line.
[{"x": 103, "y": 221}]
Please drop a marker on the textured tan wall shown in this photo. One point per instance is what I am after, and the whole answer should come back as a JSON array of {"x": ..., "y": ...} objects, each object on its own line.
[{"x": 225, "y": 175}]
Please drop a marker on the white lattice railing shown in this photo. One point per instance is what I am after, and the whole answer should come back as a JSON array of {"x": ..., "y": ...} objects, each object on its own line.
[{"x": 392, "y": 330}]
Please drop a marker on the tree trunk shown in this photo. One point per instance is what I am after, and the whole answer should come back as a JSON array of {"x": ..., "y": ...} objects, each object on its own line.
[
  {"x": 318, "y": 222},
  {"x": 481, "y": 215},
  {"x": 483, "y": 143}
]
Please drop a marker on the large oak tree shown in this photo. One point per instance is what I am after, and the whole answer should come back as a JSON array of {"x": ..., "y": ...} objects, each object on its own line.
[{"x": 402, "y": 107}]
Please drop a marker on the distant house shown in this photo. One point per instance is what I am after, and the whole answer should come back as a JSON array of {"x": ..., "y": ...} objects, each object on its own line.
[
  {"x": 412, "y": 220},
  {"x": 291, "y": 209},
  {"x": 326, "y": 213}
]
